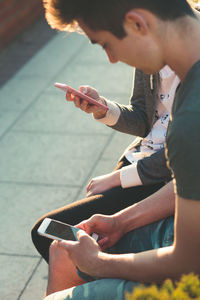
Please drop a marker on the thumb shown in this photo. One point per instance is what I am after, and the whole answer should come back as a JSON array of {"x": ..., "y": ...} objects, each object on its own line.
[
  {"x": 80, "y": 234},
  {"x": 83, "y": 89},
  {"x": 67, "y": 245}
]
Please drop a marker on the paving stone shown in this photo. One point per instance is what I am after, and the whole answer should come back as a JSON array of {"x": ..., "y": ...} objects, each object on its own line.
[
  {"x": 119, "y": 143},
  {"x": 19, "y": 93},
  {"x": 45, "y": 158},
  {"x": 49, "y": 150},
  {"x": 7, "y": 118},
  {"x": 37, "y": 286},
  {"x": 22, "y": 205},
  {"x": 15, "y": 271},
  {"x": 105, "y": 78},
  {"x": 51, "y": 113}
]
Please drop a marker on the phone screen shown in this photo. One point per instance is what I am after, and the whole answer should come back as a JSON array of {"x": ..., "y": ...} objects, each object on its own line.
[{"x": 62, "y": 231}]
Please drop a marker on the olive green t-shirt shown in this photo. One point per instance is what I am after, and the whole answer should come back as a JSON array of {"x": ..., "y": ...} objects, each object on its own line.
[{"x": 183, "y": 136}]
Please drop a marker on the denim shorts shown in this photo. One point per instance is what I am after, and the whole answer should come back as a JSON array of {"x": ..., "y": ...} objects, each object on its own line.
[{"x": 153, "y": 236}]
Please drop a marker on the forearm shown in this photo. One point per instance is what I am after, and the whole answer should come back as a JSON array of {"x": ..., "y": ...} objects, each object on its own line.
[
  {"x": 130, "y": 119},
  {"x": 168, "y": 262},
  {"x": 133, "y": 118},
  {"x": 149, "y": 266},
  {"x": 157, "y": 206}
]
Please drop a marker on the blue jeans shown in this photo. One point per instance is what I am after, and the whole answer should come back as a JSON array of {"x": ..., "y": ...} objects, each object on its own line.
[{"x": 153, "y": 236}]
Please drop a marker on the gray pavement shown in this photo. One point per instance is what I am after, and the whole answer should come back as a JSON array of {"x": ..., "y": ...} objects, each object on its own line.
[{"x": 49, "y": 150}]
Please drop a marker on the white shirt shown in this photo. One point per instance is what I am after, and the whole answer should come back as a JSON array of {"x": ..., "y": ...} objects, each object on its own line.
[{"x": 154, "y": 141}]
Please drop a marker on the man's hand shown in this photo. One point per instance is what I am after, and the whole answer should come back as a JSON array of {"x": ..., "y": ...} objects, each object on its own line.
[
  {"x": 107, "y": 228},
  {"x": 84, "y": 105},
  {"x": 84, "y": 253},
  {"x": 102, "y": 183}
]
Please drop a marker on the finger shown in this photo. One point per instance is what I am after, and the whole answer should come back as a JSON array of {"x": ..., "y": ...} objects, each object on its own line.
[
  {"x": 67, "y": 245},
  {"x": 77, "y": 101},
  {"x": 94, "y": 109},
  {"x": 68, "y": 97},
  {"x": 89, "y": 194},
  {"x": 81, "y": 234},
  {"x": 88, "y": 186},
  {"x": 83, "y": 89},
  {"x": 103, "y": 243},
  {"x": 84, "y": 105},
  {"x": 83, "y": 225},
  {"x": 87, "y": 90}
]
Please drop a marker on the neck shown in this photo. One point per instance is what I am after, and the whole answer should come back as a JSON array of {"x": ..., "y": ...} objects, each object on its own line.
[{"x": 182, "y": 46}]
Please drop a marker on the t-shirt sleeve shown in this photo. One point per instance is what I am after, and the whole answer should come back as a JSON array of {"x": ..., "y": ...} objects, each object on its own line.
[{"x": 183, "y": 151}]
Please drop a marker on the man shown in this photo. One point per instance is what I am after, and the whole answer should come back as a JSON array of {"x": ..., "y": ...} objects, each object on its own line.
[{"x": 147, "y": 35}]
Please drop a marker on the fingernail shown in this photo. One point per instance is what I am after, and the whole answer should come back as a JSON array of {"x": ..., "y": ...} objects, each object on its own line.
[{"x": 83, "y": 90}]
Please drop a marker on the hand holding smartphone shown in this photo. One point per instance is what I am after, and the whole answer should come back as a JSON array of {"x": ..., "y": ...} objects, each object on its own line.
[
  {"x": 60, "y": 231},
  {"x": 69, "y": 89},
  {"x": 56, "y": 230}
]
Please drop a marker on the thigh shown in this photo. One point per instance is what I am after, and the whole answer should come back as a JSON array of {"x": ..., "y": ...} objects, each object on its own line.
[
  {"x": 129, "y": 196},
  {"x": 112, "y": 289},
  {"x": 156, "y": 235},
  {"x": 153, "y": 236},
  {"x": 109, "y": 202},
  {"x": 74, "y": 213}
]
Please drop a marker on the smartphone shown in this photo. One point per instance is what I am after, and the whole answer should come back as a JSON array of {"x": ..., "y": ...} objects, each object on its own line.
[
  {"x": 69, "y": 89},
  {"x": 56, "y": 230}
]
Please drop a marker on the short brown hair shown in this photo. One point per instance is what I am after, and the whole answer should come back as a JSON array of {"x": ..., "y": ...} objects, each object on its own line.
[{"x": 108, "y": 14}]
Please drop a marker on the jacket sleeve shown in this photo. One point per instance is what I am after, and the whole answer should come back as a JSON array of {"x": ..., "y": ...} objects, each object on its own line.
[
  {"x": 133, "y": 118},
  {"x": 153, "y": 169}
]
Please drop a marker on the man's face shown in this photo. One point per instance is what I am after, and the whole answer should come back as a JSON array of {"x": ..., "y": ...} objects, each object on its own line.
[{"x": 136, "y": 50}]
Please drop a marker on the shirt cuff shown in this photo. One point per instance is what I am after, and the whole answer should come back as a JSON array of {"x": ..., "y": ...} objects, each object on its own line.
[
  {"x": 112, "y": 114},
  {"x": 129, "y": 176}
]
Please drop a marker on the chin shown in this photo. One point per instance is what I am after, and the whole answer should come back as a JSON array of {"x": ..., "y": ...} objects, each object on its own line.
[{"x": 150, "y": 71}]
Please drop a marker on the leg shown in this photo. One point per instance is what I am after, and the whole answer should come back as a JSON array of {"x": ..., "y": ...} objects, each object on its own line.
[
  {"x": 62, "y": 272},
  {"x": 112, "y": 289},
  {"x": 107, "y": 203},
  {"x": 152, "y": 236}
]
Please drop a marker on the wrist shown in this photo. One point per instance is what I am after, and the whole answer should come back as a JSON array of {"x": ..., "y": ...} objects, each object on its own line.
[
  {"x": 103, "y": 268},
  {"x": 127, "y": 219},
  {"x": 116, "y": 178},
  {"x": 101, "y": 114},
  {"x": 112, "y": 114},
  {"x": 129, "y": 176},
  {"x": 114, "y": 265}
]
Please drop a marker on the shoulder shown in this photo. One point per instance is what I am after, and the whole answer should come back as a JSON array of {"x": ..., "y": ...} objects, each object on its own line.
[{"x": 184, "y": 129}]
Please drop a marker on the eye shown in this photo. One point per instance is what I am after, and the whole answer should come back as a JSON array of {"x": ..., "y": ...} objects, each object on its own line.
[{"x": 103, "y": 45}]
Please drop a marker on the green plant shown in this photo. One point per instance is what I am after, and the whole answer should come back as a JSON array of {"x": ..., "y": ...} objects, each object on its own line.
[{"x": 186, "y": 289}]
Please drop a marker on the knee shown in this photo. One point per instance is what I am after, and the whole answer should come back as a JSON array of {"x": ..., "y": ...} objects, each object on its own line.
[{"x": 58, "y": 257}]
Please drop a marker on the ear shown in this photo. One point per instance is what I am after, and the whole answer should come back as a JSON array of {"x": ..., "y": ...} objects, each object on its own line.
[{"x": 136, "y": 21}]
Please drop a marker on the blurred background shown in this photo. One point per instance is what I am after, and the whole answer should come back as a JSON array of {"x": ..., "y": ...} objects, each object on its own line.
[{"x": 49, "y": 150}]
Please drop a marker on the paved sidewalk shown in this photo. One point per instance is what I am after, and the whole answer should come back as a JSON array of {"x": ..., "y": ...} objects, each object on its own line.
[{"x": 49, "y": 150}]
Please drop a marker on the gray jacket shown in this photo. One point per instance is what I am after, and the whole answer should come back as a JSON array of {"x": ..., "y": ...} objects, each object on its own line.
[{"x": 137, "y": 119}]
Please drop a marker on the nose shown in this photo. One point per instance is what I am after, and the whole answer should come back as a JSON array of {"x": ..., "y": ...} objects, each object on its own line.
[{"x": 111, "y": 57}]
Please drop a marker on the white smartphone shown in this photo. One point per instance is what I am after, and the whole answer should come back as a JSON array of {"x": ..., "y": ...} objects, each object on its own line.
[
  {"x": 56, "y": 230},
  {"x": 67, "y": 88}
]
